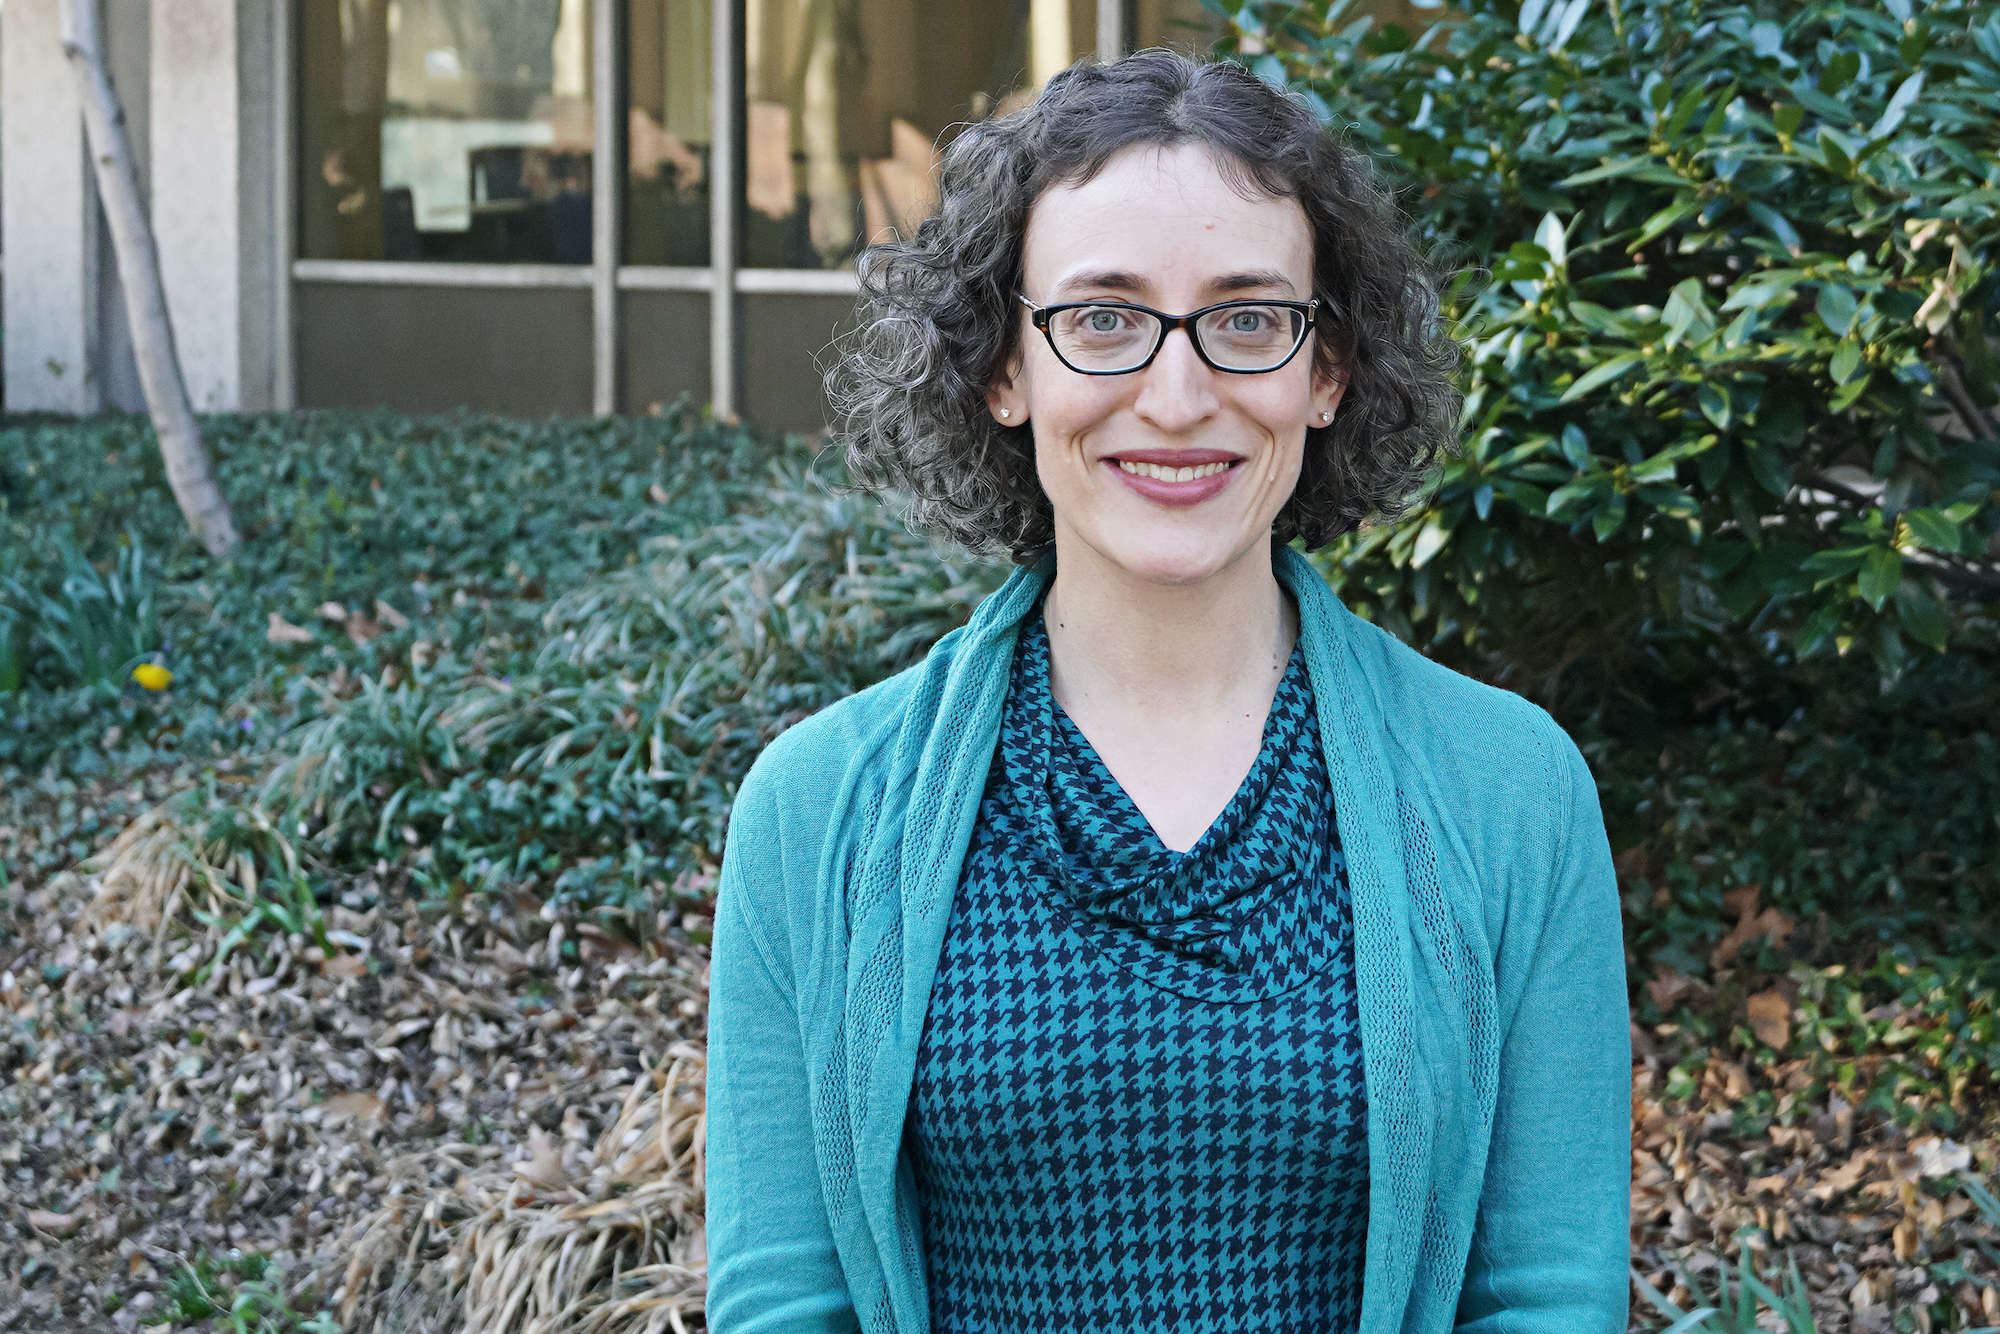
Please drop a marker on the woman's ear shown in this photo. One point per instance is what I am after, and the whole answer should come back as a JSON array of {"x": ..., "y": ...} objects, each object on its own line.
[
  {"x": 1327, "y": 391},
  {"x": 1004, "y": 398}
]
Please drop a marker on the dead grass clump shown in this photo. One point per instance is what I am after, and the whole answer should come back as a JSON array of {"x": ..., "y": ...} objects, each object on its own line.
[
  {"x": 181, "y": 865},
  {"x": 567, "y": 1240}
]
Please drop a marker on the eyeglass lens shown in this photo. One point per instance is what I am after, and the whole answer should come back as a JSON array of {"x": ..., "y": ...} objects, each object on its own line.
[{"x": 1118, "y": 338}]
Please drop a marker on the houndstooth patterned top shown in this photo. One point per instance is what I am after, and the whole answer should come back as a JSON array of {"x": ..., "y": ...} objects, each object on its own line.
[{"x": 1139, "y": 1102}]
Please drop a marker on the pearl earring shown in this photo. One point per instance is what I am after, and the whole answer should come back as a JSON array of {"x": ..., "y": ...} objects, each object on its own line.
[
  {"x": 1326, "y": 416},
  {"x": 1006, "y": 412}
]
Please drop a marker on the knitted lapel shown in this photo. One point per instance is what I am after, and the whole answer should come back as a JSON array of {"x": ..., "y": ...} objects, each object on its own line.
[
  {"x": 1401, "y": 1106},
  {"x": 900, "y": 904}
]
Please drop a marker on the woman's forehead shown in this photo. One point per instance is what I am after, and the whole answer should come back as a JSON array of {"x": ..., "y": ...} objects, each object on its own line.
[{"x": 1166, "y": 218}]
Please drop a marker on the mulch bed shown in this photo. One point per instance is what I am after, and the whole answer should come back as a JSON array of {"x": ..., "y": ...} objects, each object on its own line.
[
  {"x": 451, "y": 1111},
  {"x": 282, "y": 1105}
]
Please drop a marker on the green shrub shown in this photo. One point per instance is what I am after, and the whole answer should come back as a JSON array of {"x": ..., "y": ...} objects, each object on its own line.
[{"x": 1729, "y": 370}]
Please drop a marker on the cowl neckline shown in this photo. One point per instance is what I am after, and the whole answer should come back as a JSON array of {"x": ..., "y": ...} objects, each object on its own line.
[{"x": 1255, "y": 909}]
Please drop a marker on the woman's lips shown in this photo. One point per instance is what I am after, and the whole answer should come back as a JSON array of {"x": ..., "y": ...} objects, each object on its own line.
[{"x": 1176, "y": 479}]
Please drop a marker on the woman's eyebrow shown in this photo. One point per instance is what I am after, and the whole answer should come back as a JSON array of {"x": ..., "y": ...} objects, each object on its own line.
[
  {"x": 1112, "y": 280},
  {"x": 1244, "y": 282},
  {"x": 1120, "y": 280}
]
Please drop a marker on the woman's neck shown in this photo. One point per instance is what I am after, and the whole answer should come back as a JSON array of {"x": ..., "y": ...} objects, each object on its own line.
[
  {"x": 1170, "y": 684},
  {"x": 1120, "y": 639}
]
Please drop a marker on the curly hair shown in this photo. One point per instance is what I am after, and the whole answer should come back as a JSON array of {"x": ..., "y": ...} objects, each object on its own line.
[{"x": 938, "y": 314}]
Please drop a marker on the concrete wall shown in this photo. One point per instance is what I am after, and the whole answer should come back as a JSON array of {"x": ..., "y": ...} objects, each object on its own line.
[
  {"x": 49, "y": 220},
  {"x": 197, "y": 183},
  {"x": 197, "y": 79}
]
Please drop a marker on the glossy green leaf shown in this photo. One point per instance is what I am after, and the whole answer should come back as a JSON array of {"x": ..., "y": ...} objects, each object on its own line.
[
  {"x": 1817, "y": 630},
  {"x": 1899, "y": 106},
  {"x": 1777, "y": 224},
  {"x": 1933, "y": 529},
  {"x": 1770, "y": 467},
  {"x": 1600, "y": 375},
  {"x": 1921, "y": 616},
  {"x": 1665, "y": 218},
  {"x": 1881, "y": 571},
  {"x": 1846, "y": 363},
  {"x": 1575, "y": 446},
  {"x": 1836, "y": 306},
  {"x": 1430, "y": 540},
  {"x": 1608, "y": 516},
  {"x": 1713, "y": 398}
]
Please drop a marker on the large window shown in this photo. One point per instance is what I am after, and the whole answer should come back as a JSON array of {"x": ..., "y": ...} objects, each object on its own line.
[
  {"x": 847, "y": 102},
  {"x": 486, "y": 148},
  {"x": 446, "y": 130}
]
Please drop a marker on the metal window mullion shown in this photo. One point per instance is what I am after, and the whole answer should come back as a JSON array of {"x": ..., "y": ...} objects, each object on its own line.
[
  {"x": 606, "y": 203},
  {"x": 284, "y": 370},
  {"x": 1110, "y": 29},
  {"x": 725, "y": 83}
]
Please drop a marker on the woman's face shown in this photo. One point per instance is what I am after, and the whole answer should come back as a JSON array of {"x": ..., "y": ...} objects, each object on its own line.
[{"x": 1163, "y": 227}]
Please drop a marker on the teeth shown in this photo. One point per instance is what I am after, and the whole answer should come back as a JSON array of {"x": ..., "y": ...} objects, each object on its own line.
[{"x": 1161, "y": 474}]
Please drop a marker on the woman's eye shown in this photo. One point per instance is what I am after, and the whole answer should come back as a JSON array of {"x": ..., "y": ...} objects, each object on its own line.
[
  {"x": 1248, "y": 321},
  {"x": 1103, "y": 321}
]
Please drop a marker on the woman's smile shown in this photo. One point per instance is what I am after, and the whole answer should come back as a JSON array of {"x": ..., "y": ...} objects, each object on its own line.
[{"x": 1176, "y": 478}]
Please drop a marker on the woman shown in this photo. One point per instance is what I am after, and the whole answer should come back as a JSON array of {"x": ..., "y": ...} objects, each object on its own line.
[{"x": 1170, "y": 949}]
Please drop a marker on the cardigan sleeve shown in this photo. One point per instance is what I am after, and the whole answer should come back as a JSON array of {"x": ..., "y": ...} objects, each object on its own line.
[
  {"x": 1551, "y": 1243},
  {"x": 773, "y": 1268}
]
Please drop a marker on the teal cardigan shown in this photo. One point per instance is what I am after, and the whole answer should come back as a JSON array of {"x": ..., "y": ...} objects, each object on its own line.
[{"x": 1488, "y": 958}]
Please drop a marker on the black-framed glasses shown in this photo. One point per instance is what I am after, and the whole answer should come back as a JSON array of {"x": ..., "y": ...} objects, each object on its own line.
[{"x": 1113, "y": 338}]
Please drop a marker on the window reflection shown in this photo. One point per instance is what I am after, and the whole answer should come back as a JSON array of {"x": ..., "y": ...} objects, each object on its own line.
[
  {"x": 848, "y": 100},
  {"x": 446, "y": 130},
  {"x": 667, "y": 132}
]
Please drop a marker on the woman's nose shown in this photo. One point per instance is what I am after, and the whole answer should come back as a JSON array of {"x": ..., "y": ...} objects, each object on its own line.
[{"x": 1178, "y": 390}]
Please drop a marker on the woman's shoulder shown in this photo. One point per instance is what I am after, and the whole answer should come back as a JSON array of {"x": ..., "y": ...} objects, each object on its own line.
[
  {"x": 803, "y": 767},
  {"x": 1424, "y": 696},
  {"x": 1498, "y": 763}
]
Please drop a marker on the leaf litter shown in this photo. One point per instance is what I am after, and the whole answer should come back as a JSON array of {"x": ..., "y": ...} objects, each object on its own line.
[{"x": 434, "y": 1120}]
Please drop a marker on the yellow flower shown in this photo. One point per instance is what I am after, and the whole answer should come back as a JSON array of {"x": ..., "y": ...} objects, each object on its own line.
[{"x": 152, "y": 676}]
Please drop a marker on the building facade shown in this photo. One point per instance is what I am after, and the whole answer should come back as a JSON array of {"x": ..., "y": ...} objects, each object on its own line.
[{"x": 518, "y": 206}]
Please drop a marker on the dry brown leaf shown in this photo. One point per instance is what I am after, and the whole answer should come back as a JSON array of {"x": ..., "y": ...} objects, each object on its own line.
[
  {"x": 1770, "y": 924},
  {"x": 56, "y": 1225},
  {"x": 388, "y": 615},
  {"x": 1741, "y": 902},
  {"x": 361, "y": 1106},
  {"x": 360, "y": 629},
  {"x": 543, "y": 1166},
  {"x": 1839, "y": 1180},
  {"x": 658, "y": 493},
  {"x": 1940, "y": 1157},
  {"x": 333, "y": 611},
  {"x": 1667, "y": 989},
  {"x": 1771, "y": 1018},
  {"x": 282, "y": 631},
  {"x": 345, "y": 965}
]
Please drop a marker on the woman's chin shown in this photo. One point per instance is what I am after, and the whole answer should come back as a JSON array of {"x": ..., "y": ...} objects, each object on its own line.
[{"x": 1176, "y": 559}]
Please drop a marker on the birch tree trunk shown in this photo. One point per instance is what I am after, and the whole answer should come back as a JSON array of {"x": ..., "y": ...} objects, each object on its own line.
[{"x": 188, "y": 470}]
